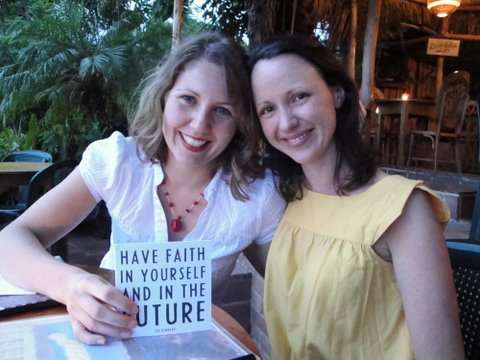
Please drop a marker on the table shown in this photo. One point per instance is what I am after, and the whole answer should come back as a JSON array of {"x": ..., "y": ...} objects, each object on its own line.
[
  {"x": 219, "y": 315},
  {"x": 404, "y": 108},
  {"x": 19, "y": 173}
]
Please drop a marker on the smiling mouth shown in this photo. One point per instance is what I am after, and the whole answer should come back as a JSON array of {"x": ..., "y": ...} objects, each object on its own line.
[
  {"x": 194, "y": 144},
  {"x": 298, "y": 139}
]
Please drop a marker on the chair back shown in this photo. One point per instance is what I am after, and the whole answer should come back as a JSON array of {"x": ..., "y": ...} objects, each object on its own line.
[
  {"x": 29, "y": 155},
  {"x": 47, "y": 178},
  {"x": 465, "y": 259},
  {"x": 475, "y": 225},
  {"x": 452, "y": 102}
]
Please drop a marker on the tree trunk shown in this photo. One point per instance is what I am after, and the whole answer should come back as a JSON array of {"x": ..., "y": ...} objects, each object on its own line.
[
  {"x": 262, "y": 20},
  {"x": 352, "y": 49},
  {"x": 370, "y": 50},
  {"x": 177, "y": 22}
]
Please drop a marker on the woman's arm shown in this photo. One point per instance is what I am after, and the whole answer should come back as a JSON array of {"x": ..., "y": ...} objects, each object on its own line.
[
  {"x": 94, "y": 305},
  {"x": 422, "y": 269}
]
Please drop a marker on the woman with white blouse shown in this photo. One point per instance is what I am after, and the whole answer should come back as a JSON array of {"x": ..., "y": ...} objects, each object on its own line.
[{"x": 189, "y": 171}]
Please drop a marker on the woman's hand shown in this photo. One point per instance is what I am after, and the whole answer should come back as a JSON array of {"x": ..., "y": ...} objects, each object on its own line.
[{"x": 97, "y": 309}]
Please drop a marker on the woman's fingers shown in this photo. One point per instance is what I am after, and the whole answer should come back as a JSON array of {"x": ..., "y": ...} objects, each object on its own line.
[
  {"x": 106, "y": 293},
  {"x": 98, "y": 309},
  {"x": 85, "y": 336},
  {"x": 97, "y": 327},
  {"x": 106, "y": 314}
]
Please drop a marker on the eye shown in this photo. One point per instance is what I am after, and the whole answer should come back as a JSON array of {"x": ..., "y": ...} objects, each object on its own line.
[
  {"x": 300, "y": 96},
  {"x": 188, "y": 99},
  {"x": 222, "y": 111},
  {"x": 265, "y": 110}
]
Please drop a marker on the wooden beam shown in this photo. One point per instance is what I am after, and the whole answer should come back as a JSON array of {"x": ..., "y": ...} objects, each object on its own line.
[
  {"x": 419, "y": 2},
  {"x": 441, "y": 59},
  {"x": 422, "y": 28},
  {"x": 177, "y": 22},
  {"x": 469, "y": 8},
  {"x": 352, "y": 48},
  {"x": 467, "y": 37},
  {"x": 294, "y": 15},
  {"x": 370, "y": 51},
  {"x": 405, "y": 42}
]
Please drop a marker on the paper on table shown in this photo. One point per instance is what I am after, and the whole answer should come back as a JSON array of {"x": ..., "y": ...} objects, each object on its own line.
[
  {"x": 51, "y": 337},
  {"x": 8, "y": 289}
]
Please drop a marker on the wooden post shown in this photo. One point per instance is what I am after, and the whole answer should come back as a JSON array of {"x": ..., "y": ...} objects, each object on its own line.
[
  {"x": 353, "y": 40},
  {"x": 177, "y": 22},
  {"x": 294, "y": 14},
  {"x": 441, "y": 60},
  {"x": 370, "y": 50}
]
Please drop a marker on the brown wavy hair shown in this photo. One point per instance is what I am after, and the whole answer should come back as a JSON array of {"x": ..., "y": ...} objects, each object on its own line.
[
  {"x": 351, "y": 150},
  {"x": 240, "y": 159}
]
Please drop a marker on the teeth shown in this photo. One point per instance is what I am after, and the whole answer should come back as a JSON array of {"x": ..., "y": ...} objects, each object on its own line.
[
  {"x": 298, "y": 139},
  {"x": 193, "y": 142}
]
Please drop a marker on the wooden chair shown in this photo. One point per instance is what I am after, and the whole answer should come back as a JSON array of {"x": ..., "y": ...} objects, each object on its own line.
[
  {"x": 451, "y": 106},
  {"x": 472, "y": 126},
  {"x": 379, "y": 134},
  {"x": 23, "y": 156},
  {"x": 40, "y": 183},
  {"x": 465, "y": 260}
]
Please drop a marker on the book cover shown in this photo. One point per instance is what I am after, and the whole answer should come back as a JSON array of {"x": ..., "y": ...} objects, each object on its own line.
[{"x": 170, "y": 282}]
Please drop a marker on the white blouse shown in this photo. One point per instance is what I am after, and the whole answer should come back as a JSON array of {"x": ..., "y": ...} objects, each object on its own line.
[{"x": 114, "y": 173}]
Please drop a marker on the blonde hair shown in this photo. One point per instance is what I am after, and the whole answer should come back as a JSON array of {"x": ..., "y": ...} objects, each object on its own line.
[{"x": 240, "y": 158}]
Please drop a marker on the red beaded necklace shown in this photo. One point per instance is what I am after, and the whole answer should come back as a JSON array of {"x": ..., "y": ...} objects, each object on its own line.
[{"x": 176, "y": 223}]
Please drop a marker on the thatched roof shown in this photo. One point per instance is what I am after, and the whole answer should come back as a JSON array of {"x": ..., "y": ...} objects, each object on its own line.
[
  {"x": 396, "y": 14},
  {"x": 405, "y": 26},
  {"x": 400, "y": 19}
]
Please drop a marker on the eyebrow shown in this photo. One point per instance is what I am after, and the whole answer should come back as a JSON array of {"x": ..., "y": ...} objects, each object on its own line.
[
  {"x": 185, "y": 89},
  {"x": 221, "y": 102}
]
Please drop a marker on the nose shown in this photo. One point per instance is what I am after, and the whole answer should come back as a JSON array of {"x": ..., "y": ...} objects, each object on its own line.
[
  {"x": 288, "y": 121},
  {"x": 201, "y": 119}
]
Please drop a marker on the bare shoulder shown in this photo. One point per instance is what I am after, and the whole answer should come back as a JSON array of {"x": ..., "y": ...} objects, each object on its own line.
[
  {"x": 417, "y": 224},
  {"x": 419, "y": 207}
]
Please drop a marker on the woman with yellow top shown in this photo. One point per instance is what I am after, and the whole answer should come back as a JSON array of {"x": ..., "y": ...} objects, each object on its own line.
[{"x": 358, "y": 268}]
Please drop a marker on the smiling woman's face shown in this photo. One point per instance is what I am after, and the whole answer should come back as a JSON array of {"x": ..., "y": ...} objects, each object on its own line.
[
  {"x": 198, "y": 118},
  {"x": 296, "y": 108}
]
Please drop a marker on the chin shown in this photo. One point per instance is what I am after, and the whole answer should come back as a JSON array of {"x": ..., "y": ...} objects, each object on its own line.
[{"x": 300, "y": 158}]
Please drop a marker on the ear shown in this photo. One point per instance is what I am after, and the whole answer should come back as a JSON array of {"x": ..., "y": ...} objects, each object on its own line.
[{"x": 338, "y": 96}]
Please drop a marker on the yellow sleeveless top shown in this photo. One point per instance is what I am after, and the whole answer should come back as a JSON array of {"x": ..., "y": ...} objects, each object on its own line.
[{"x": 328, "y": 295}]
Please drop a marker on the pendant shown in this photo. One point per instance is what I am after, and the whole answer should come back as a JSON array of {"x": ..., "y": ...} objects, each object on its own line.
[{"x": 176, "y": 225}]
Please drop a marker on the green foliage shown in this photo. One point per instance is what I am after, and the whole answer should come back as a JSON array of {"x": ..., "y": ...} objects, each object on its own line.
[
  {"x": 68, "y": 68},
  {"x": 68, "y": 132},
  {"x": 9, "y": 141},
  {"x": 231, "y": 17},
  {"x": 73, "y": 65}
]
